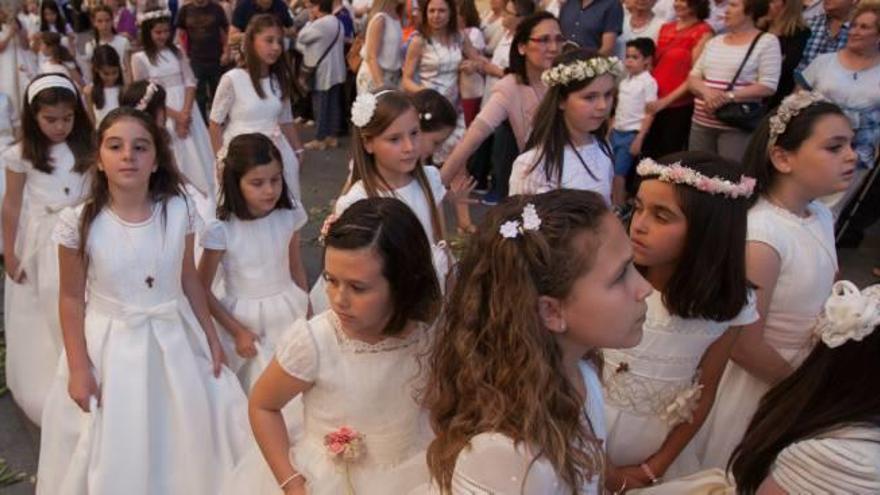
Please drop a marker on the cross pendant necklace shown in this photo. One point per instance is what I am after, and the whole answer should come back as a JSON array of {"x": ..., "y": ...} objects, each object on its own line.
[{"x": 149, "y": 281}]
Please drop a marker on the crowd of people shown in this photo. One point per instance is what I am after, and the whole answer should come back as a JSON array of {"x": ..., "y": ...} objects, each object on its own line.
[{"x": 649, "y": 305}]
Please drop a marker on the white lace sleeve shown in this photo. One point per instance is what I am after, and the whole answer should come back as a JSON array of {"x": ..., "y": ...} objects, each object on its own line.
[
  {"x": 214, "y": 236},
  {"x": 66, "y": 231},
  {"x": 830, "y": 465},
  {"x": 298, "y": 354},
  {"x": 493, "y": 465},
  {"x": 139, "y": 67},
  {"x": 224, "y": 97}
]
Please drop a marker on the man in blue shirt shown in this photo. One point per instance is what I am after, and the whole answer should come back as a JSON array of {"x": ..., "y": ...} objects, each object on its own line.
[{"x": 592, "y": 24}]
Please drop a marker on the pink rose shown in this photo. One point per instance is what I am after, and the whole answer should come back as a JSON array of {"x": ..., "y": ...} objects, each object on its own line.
[{"x": 336, "y": 448}]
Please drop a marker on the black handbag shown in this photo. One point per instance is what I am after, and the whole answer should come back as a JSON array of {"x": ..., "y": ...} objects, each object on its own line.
[
  {"x": 307, "y": 73},
  {"x": 744, "y": 115}
]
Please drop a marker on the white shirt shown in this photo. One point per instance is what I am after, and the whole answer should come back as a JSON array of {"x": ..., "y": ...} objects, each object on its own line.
[
  {"x": 501, "y": 58},
  {"x": 650, "y": 30},
  {"x": 526, "y": 178},
  {"x": 313, "y": 40},
  {"x": 634, "y": 93}
]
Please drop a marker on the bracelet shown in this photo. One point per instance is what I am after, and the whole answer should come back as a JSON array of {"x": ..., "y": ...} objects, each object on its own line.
[
  {"x": 649, "y": 473},
  {"x": 289, "y": 479}
]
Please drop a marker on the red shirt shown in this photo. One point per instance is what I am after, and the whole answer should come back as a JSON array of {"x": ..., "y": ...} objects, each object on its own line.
[{"x": 674, "y": 57}]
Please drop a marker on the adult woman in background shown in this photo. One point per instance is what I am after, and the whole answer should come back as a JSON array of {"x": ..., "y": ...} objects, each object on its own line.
[
  {"x": 785, "y": 20},
  {"x": 381, "y": 55}
]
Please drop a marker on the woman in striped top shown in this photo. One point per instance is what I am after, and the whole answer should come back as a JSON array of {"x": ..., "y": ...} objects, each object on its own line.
[{"x": 717, "y": 66}]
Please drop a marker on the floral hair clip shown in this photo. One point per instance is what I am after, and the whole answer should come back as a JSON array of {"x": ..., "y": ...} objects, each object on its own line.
[
  {"x": 364, "y": 107},
  {"x": 426, "y": 116},
  {"x": 154, "y": 14},
  {"x": 677, "y": 173},
  {"x": 790, "y": 107},
  {"x": 581, "y": 70},
  {"x": 145, "y": 100},
  {"x": 530, "y": 221},
  {"x": 850, "y": 314}
]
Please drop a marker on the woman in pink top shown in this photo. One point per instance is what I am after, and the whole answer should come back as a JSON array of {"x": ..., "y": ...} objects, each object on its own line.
[{"x": 538, "y": 40}]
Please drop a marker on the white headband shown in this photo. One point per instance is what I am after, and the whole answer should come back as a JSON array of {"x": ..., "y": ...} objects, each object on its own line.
[{"x": 46, "y": 82}]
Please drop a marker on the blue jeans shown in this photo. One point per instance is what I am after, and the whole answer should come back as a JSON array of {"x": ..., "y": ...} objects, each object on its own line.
[
  {"x": 620, "y": 143},
  {"x": 327, "y": 107}
]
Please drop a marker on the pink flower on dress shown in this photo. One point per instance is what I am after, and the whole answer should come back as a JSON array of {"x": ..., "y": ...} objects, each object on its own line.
[{"x": 345, "y": 444}]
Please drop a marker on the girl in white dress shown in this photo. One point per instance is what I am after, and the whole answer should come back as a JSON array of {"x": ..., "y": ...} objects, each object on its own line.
[
  {"x": 143, "y": 367},
  {"x": 546, "y": 280},
  {"x": 355, "y": 365},
  {"x": 45, "y": 172},
  {"x": 56, "y": 58},
  {"x": 688, "y": 234},
  {"x": 800, "y": 153},
  {"x": 569, "y": 150},
  {"x": 256, "y": 238},
  {"x": 104, "y": 34},
  {"x": 163, "y": 63},
  {"x": 14, "y": 58},
  {"x": 256, "y": 98},
  {"x": 102, "y": 95}
]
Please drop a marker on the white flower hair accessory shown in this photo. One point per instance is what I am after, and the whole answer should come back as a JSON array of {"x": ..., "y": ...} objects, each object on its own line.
[
  {"x": 145, "y": 100},
  {"x": 790, "y": 107},
  {"x": 530, "y": 221},
  {"x": 850, "y": 314},
  {"x": 426, "y": 116},
  {"x": 153, "y": 14},
  {"x": 581, "y": 70},
  {"x": 364, "y": 107},
  {"x": 677, "y": 173}
]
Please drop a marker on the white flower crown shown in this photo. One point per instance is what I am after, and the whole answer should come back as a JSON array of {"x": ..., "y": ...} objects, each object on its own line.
[
  {"x": 790, "y": 107},
  {"x": 153, "y": 14},
  {"x": 679, "y": 174},
  {"x": 530, "y": 221},
  {"x": 581, "y": 70},
  {"x": 364, "y": 107},
  {"x": 849, "y": 314}
]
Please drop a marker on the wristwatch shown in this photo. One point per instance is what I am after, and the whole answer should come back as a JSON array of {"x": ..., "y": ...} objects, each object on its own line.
[{"x": 730, "y": 96}]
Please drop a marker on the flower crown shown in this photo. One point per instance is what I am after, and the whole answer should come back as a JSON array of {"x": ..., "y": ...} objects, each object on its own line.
[
  {"x": 153, "y": 14},
  {"x": 145, "y": 100},
  {"x": 790, "y": 107},
  {"x": 364, "y": 107},
  {"x": 679, "y": 174},
  {"x": 581, "y": 70},
  {"x": 530, "y": 221},
  {"x": 849, "y": 314}
]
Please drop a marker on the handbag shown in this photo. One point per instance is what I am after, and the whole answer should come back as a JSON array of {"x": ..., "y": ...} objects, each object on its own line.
[
  {"x": 744, "y": 115},
  {"x": 307, "y": 73}
]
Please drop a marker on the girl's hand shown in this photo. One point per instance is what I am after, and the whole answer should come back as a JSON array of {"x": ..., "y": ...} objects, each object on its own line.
[
  {"x": 12, "y": 269},
  {"x": 633, "y": 475},
  {"x": 181, "y": 128},
  {"x": 460, "y": 189},
  {"x": 244, "y": 343},
  {"x": 218, "y": 357},
  {"x": 296, "y": 487},
  {"x": 82, "y": 387}
]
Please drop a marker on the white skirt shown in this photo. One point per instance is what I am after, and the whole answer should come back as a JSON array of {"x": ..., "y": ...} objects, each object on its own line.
[{"x": 194, "y": 155}]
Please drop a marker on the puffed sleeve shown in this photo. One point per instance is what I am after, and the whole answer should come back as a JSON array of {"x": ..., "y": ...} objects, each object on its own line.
[
  {"x": 66, "y": 231},
  {"x": 493, "y": 464},
  {"x": 139, "y": 67},
  {"x": 223, "y": 99},
  {"x": 214, "y": 236},
  {"x": 830, "y": 465},
  {"x": 298, "y": 354},
  {"x": 762, "y": 228},
  {"x": 525, "y": 178},
  {"x": 13, "y": 161},
  {"x": 749, "y": 312}
]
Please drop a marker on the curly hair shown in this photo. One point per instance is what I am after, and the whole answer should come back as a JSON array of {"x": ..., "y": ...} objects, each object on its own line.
[{"x": 494, "y": 366}]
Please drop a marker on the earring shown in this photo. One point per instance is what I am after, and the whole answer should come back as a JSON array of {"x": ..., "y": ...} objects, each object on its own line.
[{"x": 562, "y": 327}]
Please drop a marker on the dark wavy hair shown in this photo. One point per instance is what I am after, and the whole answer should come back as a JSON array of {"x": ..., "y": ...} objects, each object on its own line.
[
  {"x": 59, "y": 25},
  {"x": 709, "y": 281},
  {"x": 95, "y": 10},
  {"x": 35, "y": 145},
  {"x": 135, "y": 92},
  {"x": 146, "y": 37},
  {"x": 389, "y": 227},
  {"x": 104, "y": 56},
  {"x": 517, "y": 63},
  {"x": 279, "y": 73},
  {"x": 833, "y": 388},
  {"x": 451, "y": 25},
  {"x": 435, "y": 111},
  {"x": 244, "y": 153}
]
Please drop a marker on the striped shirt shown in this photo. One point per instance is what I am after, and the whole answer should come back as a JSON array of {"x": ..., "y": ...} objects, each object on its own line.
[{"x": 718, "y": 64}]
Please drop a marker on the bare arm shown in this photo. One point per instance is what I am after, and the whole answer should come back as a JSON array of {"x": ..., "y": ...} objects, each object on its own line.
[
  {"x": 90, "y": 104},
  {"x": 373, "y": 43},
  {"x": 15, "y": 183},
  {"x": 195, "y": 293},
  {"x": 473, "y": 138},
  {"x": 72, "y": 311},
  {"x": 413, "y": 58},
  {"x": 215, "y": 130},
  {"x": 292, "y": 136},
  {"x": 297, "y": 269}
]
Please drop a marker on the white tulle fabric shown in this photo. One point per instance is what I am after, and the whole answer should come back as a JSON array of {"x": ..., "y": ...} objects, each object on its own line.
[
  {"x": 259, "y": 291},
  {"x": 33, "y": 329},
  {"x": 850, "y": 314},
  {"x": 165, "y": 423}
]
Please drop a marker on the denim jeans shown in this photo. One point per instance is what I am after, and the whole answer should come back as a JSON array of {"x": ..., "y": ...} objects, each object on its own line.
[
  {"x": 327, "y": 107},
  {"x": 620, "y": 143}
]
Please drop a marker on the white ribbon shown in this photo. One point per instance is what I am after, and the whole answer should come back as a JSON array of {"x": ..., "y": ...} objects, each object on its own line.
[{"x": 850, "y": 314}]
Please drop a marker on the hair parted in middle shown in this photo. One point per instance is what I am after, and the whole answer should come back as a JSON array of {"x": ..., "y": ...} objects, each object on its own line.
[
  {"x": 103, "y": 56},
  {"x": 280, "y": 75},
  {"x": 246, "y": 152},
  {"x": 146, "y": 37}
]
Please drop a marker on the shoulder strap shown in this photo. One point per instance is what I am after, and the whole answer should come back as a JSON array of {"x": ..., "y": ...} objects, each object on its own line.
[
  {"x": 745, "y": 59},
  {"x": 331, "y": 45}
]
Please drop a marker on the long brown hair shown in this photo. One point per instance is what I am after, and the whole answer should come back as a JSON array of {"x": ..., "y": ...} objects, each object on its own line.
[
  {"x": 165, "y": 182},
  {"x": 789, "y": 22},
  {"x": 494, "y": 366},
  {"x": 390, "y": 106},
  {"x": 146, "y": 36},
  {"x": 279, "y": 72}
]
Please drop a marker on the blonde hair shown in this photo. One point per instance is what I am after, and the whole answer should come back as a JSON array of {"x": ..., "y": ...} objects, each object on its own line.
[
  {"x": 872, "y": 6},
  {"x": 790, "y": 20}
]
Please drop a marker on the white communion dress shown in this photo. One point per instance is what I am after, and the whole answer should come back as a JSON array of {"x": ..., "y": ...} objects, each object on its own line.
[
  {"x": 111, "y": 102},
  {"x": 165, "y": 424}
]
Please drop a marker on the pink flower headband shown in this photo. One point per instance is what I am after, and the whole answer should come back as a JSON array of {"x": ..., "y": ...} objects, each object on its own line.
[{"x": 677, "y": 173}]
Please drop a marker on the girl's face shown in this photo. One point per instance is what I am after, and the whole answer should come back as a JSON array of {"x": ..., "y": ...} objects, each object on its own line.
[
  {"x": 659, "y": 226},
  {"x": 261, "y": 188},
  {"x": 56, "y": 121},
  {"x": 103, "y": 23},
  {"x": 160, "y": 34},
  {"x": 682, "y": 9},
  {"x": 396, "y": 149},
  {"x": 825, "y": 162},
  {"x": 358, "y": 292},
  {"x": 543, "y": 45},
  {"x": 438, "y": 15},
  {"x": 863, "y": 35},
  {"x": 50, "y": 16},
  {"x": 606, "y": 305},
  {"x": 109, "y": 75},
  {"x": 431, "y": 140},
  {"x": 268, "y": 45},
  {"x": 127, "y": 154},
  {"x": 585, "y": 110},
  {"x": 735, "y": 16}
]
